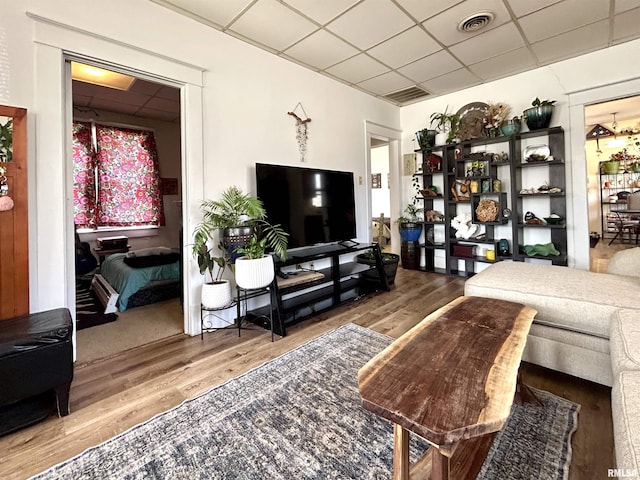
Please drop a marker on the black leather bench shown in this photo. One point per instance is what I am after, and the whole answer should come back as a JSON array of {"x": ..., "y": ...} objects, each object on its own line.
[{"x": 36, "y": 357}]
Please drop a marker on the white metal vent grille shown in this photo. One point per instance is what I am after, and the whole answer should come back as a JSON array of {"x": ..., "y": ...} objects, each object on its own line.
[
  {"x": 475, "y": 22},
  {"x": 407, "y": 94}
]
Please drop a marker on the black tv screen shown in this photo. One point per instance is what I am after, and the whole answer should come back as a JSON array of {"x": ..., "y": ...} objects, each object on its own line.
[{"x": 314, "y": 206}]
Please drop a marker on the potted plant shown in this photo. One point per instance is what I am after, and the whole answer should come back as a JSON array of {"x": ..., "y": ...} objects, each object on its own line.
[
  {"x": 539, "y": 115},
  {"x": 426, "y": 138},
  {"x": 236, "y": 214},
  {"x": 446, "y": 122},
  {"x": 410, "y": 229},
  {"x": 254, "y": 269},
  {"x": 511, "y": 126},
  {"x": 216, "y": 293},
  {"x": 389, "y": 261},
  {"x": 6, "y": 141}
]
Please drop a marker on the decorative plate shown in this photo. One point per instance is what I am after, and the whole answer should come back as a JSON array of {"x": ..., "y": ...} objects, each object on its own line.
[
  {"x": 471, "y": 125},
  {"x": 536, "y": 153}
]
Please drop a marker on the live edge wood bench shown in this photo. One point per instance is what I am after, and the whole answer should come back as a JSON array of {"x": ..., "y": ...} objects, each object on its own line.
[{"x": 451, "y": 379}]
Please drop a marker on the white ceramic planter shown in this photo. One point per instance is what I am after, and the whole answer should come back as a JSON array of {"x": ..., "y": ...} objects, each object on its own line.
[
  {"x": 254, "y": 273},
  {"x": 216, "y": 295}
]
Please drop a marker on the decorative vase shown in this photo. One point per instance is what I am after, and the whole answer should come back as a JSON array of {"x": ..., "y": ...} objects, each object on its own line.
[
  {"x": 426, "y": 138},
  {"x": 511, "y": 127},
  {"x": 216, "y": 295},
  {"x": 254, "y": 273},
  {"x": 410, "y": 231},
  {"x": 538, "y": 117}
]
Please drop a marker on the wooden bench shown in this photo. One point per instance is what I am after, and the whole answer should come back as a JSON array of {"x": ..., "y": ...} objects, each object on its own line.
[{"x": 451, "y": 379}]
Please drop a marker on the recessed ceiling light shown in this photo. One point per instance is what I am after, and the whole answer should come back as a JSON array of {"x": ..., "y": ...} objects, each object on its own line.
[
  {"x": 100, "y": 76},
  {"x": 475, "y": 22}
]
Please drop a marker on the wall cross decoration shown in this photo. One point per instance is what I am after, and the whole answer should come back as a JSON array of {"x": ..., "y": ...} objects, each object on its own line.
[{"x": 301, "y": 129}]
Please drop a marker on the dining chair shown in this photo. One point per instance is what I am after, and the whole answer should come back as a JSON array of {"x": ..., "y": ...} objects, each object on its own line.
[
  {"x": 633, "y": 205},
  {"x": 624, "y": 225}
]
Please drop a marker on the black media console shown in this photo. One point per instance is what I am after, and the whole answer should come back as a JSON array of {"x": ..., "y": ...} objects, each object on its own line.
[{"x": 338, "y": 283}]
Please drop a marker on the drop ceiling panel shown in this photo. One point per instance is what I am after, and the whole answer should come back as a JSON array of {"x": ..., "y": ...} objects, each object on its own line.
[
  {"x": 489, "y": 44},
  {"x": 321, "y": 50},
  {"x": 170, "y": 93},
  {"x": 504, "y": 65},
  {"x": 430, "y": 67},
  {"x": 444, "y": 25},
  {"x": 385, "y": 83},
  {"x": 563, "y": 17},
  {"x": 423, "y": 9},
  {"x": 371, "y": 22},
  {"x": 358, "y": 68},
  {"x": 451, "y": 82},
  {"x": 624, "y": 5},
  {"x": 259, "y": 21},
  {"x": 321, "y": 11},
  {"x": 104, "y": 104},
  {"x": 163, "y": 104},
  {"x": 220, "y": 12},
  {"x": 576, "y": 42},
  {"x": 626, "y": 25},
  {"x": 405, "y": 48},
  {"x": 525, "y": 7},
  {"x": 158, "y": 114}
]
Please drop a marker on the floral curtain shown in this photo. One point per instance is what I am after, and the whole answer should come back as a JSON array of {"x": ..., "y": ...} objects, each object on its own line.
[
  {"x": 128, "y": 178},
  {"x": 84, "y": 178}
]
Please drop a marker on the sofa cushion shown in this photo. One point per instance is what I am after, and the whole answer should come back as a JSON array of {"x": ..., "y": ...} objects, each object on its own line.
[
  {"x": 625, "y": 409},
  {"x": 624, "y": 342},
  {"x": 625, "y": 262},
  {"x": 567, "y": 298}
]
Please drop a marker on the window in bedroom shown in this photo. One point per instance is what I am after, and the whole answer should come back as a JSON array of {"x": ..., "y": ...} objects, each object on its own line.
[{"x": 116, "y": 180}]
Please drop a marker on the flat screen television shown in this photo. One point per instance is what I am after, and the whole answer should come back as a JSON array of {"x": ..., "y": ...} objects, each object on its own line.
[{"x": 314, "y": 206}]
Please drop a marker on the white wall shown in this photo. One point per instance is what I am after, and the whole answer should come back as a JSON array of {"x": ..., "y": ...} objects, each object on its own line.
[
  {"x": 380, "y": 200},
  {"x": 245, "y": 98},
  {"x": 564, "y": 82}
]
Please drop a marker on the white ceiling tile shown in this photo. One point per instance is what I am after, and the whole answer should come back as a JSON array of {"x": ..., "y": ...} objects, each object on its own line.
[
  {"x": 321, "y": 50},
  {"x": 421, "y": 9},
  {"x": 524, "y": 7},
  {"x": 503, "y": 65},
  {"x": 321, "y": 11},
  {"x": 430, "y": 67},
  {"x": 357, "y": 69},
  {"x": 159, "y": 114},
  {"x": 444, "y": 26},
  {"x": 624, "y": 5},
  {"x": 170, "y": 93},
  {"x": 385, "y": 83},
  {"x": 405, "y": 48},
  {"x": 370, "y": 23},
  {"x": 489, "y": 44},
  {"x": 259, "y": 21},
  {"x": 81, "y": 100},
  {"x": 163, "y": 104},
  {"x": 451, "y": 82},
  {"x": 562, "y": 17},
  {"x": 625, "y": 26},
  {"x": 576, "y": 42},
  {"x": 109, "y": 105},
  {"x": 216, "y": 11}
]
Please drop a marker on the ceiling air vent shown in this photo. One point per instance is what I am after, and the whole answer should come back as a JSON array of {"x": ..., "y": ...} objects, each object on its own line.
[
  {"x": 475, "y": 22},
  {"x": 406, "y": 95}
]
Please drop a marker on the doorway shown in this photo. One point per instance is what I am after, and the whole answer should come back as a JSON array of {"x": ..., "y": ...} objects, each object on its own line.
[
  {"x": 380, "y": 193},
  {"x": 612, "y": 132},
  {"x": 152, "y": 110}
]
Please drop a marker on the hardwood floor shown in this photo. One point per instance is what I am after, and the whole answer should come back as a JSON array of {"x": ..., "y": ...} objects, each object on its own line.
[{"x": 110, "y": 396}]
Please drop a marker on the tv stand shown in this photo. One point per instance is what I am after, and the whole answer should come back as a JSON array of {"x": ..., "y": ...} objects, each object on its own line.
[{"x": 338, "y": 283}]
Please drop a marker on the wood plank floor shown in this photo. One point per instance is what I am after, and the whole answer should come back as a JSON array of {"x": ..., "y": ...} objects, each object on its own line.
[{"x": 113, "y": 395}]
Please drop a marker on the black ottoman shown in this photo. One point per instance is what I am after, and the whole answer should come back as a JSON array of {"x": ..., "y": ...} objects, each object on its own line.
[{"x": 36, "y": 357}]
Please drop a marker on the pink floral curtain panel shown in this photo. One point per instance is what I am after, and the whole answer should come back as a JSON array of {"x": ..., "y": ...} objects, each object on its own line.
[
  {"x": 128, "y": 180},
  {"x": 84, "y": 184}
]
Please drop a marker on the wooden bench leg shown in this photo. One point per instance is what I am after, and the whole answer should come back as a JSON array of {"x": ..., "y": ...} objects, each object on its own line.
[
  {"x": 439, "y": 465},
  {"x": 62, "y": 399},
  {"x": 400, "y": 453}
]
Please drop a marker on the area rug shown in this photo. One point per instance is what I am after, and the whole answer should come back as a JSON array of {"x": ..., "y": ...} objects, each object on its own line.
[
  {"x": 89, "y": 310},
  {"x": 300, "y": 416}
]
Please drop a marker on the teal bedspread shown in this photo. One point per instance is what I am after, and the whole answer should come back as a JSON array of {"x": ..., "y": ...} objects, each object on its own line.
[{"x": 127, "y": 281}]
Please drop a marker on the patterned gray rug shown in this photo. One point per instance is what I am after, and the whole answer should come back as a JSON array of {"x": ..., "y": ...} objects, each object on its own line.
[{"x": 299, "y": 416}]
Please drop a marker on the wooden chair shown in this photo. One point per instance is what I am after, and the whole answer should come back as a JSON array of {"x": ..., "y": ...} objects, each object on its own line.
[{"x": 624, "y": 225}]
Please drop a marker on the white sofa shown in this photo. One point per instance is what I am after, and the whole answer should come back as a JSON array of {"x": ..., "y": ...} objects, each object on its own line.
[{"x": 588, "y": 325}]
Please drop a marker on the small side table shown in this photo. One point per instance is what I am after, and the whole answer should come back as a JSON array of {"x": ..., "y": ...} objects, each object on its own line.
[
  {"x": 243, "y": 295},
  {"x": 206, "y": 312},
  {"x": 105, "y": 252}
]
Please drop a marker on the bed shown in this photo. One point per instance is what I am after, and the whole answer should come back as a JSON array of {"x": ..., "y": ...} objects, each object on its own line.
[{"x": 144, "y": 276}]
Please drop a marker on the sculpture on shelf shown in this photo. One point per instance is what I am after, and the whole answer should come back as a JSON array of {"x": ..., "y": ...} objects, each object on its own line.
[
  {"x": 463, "y": 226},
  {"x": 460, "y": 190}
]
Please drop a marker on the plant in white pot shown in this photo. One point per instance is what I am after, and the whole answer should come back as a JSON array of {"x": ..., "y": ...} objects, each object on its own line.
[
  {"x": 254, "y": 269},
  {"x": 215, "y": 293}
]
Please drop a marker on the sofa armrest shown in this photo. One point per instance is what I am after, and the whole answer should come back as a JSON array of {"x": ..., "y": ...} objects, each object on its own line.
[{"x": 625, "y": 262}]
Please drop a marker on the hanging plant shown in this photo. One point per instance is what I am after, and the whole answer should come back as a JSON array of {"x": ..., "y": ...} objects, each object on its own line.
[{"x": 301, "y": 131}]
